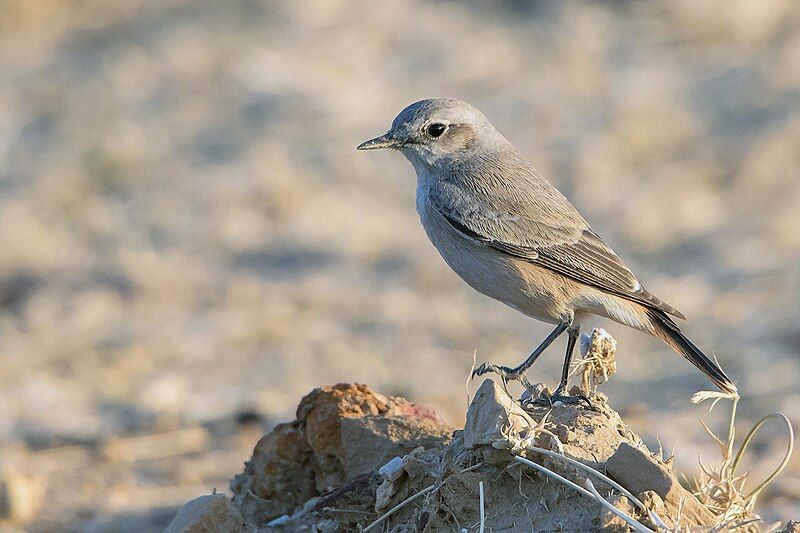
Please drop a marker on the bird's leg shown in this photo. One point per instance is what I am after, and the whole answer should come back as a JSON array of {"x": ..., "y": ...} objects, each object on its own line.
[
  {"x": 515, "y": 373},
  {"x": 559, "y": 396},
  {"x": 573, "y": 334}
]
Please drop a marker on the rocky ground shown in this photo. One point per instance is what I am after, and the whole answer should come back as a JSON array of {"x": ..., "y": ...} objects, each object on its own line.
[{"x": 356, "y": 460}]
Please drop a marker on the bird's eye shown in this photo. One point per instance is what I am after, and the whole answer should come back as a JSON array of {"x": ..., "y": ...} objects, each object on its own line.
[{"x": 436, "y": 129}]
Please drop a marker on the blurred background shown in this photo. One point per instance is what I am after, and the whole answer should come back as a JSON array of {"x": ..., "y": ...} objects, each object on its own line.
[{"x": 189, "y": 242}]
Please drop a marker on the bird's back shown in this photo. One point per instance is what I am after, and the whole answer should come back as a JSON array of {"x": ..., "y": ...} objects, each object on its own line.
[{"x": 503, "y": 195}]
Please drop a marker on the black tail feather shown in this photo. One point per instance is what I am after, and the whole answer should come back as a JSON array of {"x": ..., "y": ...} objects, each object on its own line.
[{"x": 669, "y": 332}]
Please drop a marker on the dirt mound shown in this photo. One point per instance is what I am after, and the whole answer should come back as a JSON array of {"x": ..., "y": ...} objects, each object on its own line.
[{"x": 357, "y": 460}]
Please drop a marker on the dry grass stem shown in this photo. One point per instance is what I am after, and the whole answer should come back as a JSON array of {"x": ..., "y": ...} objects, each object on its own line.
[
  {"x": 721, "y": 489},
  {"x": 635, "y": 524}
]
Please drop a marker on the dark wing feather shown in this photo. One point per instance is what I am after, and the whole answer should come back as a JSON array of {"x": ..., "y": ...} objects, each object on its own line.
[
  {"x": 523, "y": 252},
  {"x": 592, "y": 262},
  {"x": 587, "y": 260}
]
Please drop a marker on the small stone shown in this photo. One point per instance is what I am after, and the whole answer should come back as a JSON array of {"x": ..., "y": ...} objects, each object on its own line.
[
  {"x": 370, "y": 441},
  {"x": 383, "y": 496},
  {"x": 393, "y": 469},
  {"x": 275, "y": 480},
  {"x": 562, "y": 432},
  {"x": 341, "y": 433},
  {"x": 213, "y": 512},
  {"x": 494, "y": 418},
  {"x": 280, "y": 521},
  {"x": 638, "y": 471},
  {"x": 414, "y": 466}
]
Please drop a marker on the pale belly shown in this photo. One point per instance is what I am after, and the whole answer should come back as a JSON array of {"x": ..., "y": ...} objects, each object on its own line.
[{"x": 530, "y": 290}]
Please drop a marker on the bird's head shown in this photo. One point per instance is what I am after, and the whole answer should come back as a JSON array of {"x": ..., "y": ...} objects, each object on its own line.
[{"x": 437, "y": 132}]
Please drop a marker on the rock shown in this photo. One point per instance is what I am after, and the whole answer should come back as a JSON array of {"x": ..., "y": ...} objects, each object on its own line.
[
  {"x": 398, "y": 474},
  {"x": 416, "y": 466},
  {"x": 393, "y": 469},
  {"x": 321, "y": 412},
  {"x": 279, "y": 477},
  {"x": 386, "y": 494},
  {"x": 207, "y": 514},
  {"x": 590, "y": 436},
  {"x": 638, "y": 471},
  {"x": 341, "y": 433},
  {"x": 327, "y": 526},
  {"x": 370, "y": 441},
  {"x": 339, "y": 421},
  {"x": 382, "y": 450},
  {"x": 495, "y": 419}
]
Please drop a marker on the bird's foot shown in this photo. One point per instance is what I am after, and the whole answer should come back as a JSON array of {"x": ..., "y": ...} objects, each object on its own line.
[
  {"x": 504, "y": 371},
  {"x": 538, "y": 395},
  {"x": 544, "y": 398},
  {"x": 506, "y": 374}
]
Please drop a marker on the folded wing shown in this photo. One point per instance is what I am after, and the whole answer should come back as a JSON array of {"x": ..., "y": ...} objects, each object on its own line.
[{"x": 548, "y": 233}]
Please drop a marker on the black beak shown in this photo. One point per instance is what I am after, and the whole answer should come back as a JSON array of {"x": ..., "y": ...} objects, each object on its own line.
[{"x": 384, "y": 141}]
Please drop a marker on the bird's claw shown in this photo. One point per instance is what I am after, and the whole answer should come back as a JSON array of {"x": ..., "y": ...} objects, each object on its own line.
[
  {"x": 559, "y": 396},
  {"x": 504, "y": 372},
  {"x": 531, "y": 396}
]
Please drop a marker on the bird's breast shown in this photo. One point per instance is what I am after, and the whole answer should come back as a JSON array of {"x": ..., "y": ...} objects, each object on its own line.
[{"x": 508, "y": 280}]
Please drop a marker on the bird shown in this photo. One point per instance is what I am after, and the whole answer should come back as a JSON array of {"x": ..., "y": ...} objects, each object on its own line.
[{"x": 511, "y": 235}]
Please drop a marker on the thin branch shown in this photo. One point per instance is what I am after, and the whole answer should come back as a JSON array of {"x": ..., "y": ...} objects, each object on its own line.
[
  {"x": 483, "y": 512},
  {"x": 553, "y": 475},
  {"x": 635, "y": 524}
]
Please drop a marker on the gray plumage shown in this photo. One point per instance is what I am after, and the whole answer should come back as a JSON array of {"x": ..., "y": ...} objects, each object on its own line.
[{"x": 513, "y": 236}]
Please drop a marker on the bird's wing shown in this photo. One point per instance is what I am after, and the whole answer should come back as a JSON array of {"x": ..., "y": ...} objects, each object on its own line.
[{"x": 547, "y": 232}]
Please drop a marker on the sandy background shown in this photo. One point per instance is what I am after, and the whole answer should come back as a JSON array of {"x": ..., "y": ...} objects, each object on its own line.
[{"x": 189, "y": 241}]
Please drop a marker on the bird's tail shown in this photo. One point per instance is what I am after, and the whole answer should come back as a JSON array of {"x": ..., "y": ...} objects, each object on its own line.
[{"x": 669, "y": 332}]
